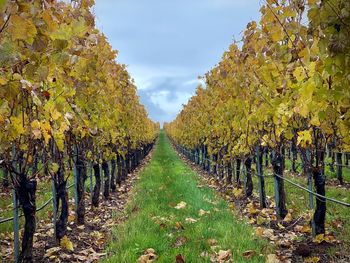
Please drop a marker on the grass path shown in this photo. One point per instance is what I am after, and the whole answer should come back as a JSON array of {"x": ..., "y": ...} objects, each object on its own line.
[{"x": 154, "y": 222}]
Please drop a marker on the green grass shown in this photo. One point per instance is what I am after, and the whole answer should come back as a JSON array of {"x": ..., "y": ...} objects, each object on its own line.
[
  {"x": 44, "y": 193},
  {"x": 152, "y": 218},
  {"x": 298, "y": 201}
]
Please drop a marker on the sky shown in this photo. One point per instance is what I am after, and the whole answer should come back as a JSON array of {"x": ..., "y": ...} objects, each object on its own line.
[{"x": 168, "y": 44}]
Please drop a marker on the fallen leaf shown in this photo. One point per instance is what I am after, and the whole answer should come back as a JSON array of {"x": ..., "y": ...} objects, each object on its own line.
[
  {"x": 268, "y": 233},
  {"x": 272, "y": 258},
  {"x": 312, "y": 260},
  {"x": 259, "y": 231},
  {"x": 66, "y": 243},
  {"x": 96, "y": 234},
  {"x": 306, "y": 229},
  {"x": 190, "y": 220},
  {"x": 178, "y": 225},
  {"x": 238, "y": 192},
  {"x": 202, "y": 212},
  {"x": 51, "y": 251},
  {"x": 149, "y": 251},
  {"x": 180, "y": 259},
  {"x": 252, "y": 210},
  {"x": 224, "y": 255},
  {"x": 329, "y": 239},
  {"x": 248, "y": 254},
  {"x": 180, "y": 205},
  {"x": 148, "y": 256},
  {"x": 319, "y": 238},
  {"x": 288, "y": 218},
  {"x": 179, "y": 241},
  {"x": 261, "y": 220}
]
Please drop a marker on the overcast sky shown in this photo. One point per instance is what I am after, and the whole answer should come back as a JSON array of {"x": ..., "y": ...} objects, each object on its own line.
[{"x": 167, "y": 44}]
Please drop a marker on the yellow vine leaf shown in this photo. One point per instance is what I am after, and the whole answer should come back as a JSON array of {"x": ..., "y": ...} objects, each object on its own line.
[
  {"x": 22, "y": 29},
  {"x": 66, "y": 243},
  {"x": 304, "y": 138}
]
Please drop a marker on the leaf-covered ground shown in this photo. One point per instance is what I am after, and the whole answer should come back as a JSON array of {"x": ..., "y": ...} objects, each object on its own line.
[
  {"x": 83, "y": 243},
  {"x": 173, "y": 218}
]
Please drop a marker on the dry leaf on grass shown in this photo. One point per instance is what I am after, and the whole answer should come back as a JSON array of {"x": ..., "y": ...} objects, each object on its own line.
[
  {"x": 190, "y": 220},
  {"x": 148, "y": 256},
  {"x": 181, "y": 205},
  {"x": 179, "y": 226},
  {"x": 202, "y": 212},
  {"x": 180, "y": 241},
  {"x": 224, "y": 255},
  {"x": 179, "y": 259},
  {"x": 248, "y": 254},
  {"x": 272, "y": 258}
]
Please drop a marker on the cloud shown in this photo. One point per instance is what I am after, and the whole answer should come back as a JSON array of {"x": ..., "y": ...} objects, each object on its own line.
[
  {"x": 168, "y": 44},
  {"x": 169, "y": 102}
]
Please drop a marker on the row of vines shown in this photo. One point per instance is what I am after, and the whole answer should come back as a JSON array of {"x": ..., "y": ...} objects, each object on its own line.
[
  {"x": 283, "y": 89},
  {"x": 64, "y": 103}
]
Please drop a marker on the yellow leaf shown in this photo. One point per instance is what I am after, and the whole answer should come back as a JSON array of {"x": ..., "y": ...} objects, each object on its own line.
[
  {"x": 66, "y": 243},
  {"x": 22, "y": 29},
  {"x": 17, "y": 76},
  {"x": 312, "y": 260},
  {"x": 238, "y": 192},
  {"x": 36, "y": 129},
  {"x": 288, "y": 218},
  {"x": 55, "y": 114},
  {"x": 17, "y": 126},
  {"x": 46, "y": 130},
  {"x": 3, "y": 81},
  {"x": 306, "y": 229},
  {"x": 304, "y": 138},
  {"x": 48, "y": 18},
  {"x": 54, "y": 167},
  {"x": 319, "y": 238},
  {"x": 299, "y": 73}
]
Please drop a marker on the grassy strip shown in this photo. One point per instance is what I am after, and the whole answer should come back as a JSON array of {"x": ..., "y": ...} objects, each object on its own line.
[{"x": 153, "y": 222}]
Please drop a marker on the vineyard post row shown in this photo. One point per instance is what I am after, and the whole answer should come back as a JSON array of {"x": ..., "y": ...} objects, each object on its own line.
[
  {"x": 285, "y": 84},
  {"x": 65, "y": 102},
  {"x": 207, "y": 164},
  {"x": 118, "y": 172}
]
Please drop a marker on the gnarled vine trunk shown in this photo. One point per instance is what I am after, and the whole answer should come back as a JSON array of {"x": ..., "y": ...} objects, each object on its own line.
[
  {"x": 26, "y": 190},
  {"x": 97, "y": 187},
  {"x": 248, "y": 178},
  {"x": 105, "y": 168}
]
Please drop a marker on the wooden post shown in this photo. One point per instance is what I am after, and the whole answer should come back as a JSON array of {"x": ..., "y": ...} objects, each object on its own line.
[
  {"x": 54, "y": 205},
  {"x": 15, "y": 227},
  {"x": 261, "y": 184},
  {"x": 339, "y": 167}
]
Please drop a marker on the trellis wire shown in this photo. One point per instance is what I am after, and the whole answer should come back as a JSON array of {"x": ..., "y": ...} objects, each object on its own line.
[
  {"x": 37, "y": 210},
  {"x": 296, "y": 185}
]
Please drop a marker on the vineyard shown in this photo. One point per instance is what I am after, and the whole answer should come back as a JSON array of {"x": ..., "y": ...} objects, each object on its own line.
[
  {"x": 86, "y": 175},
  {"x": 66, "y": 107},
  {"x": 279, "y": 99}
]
